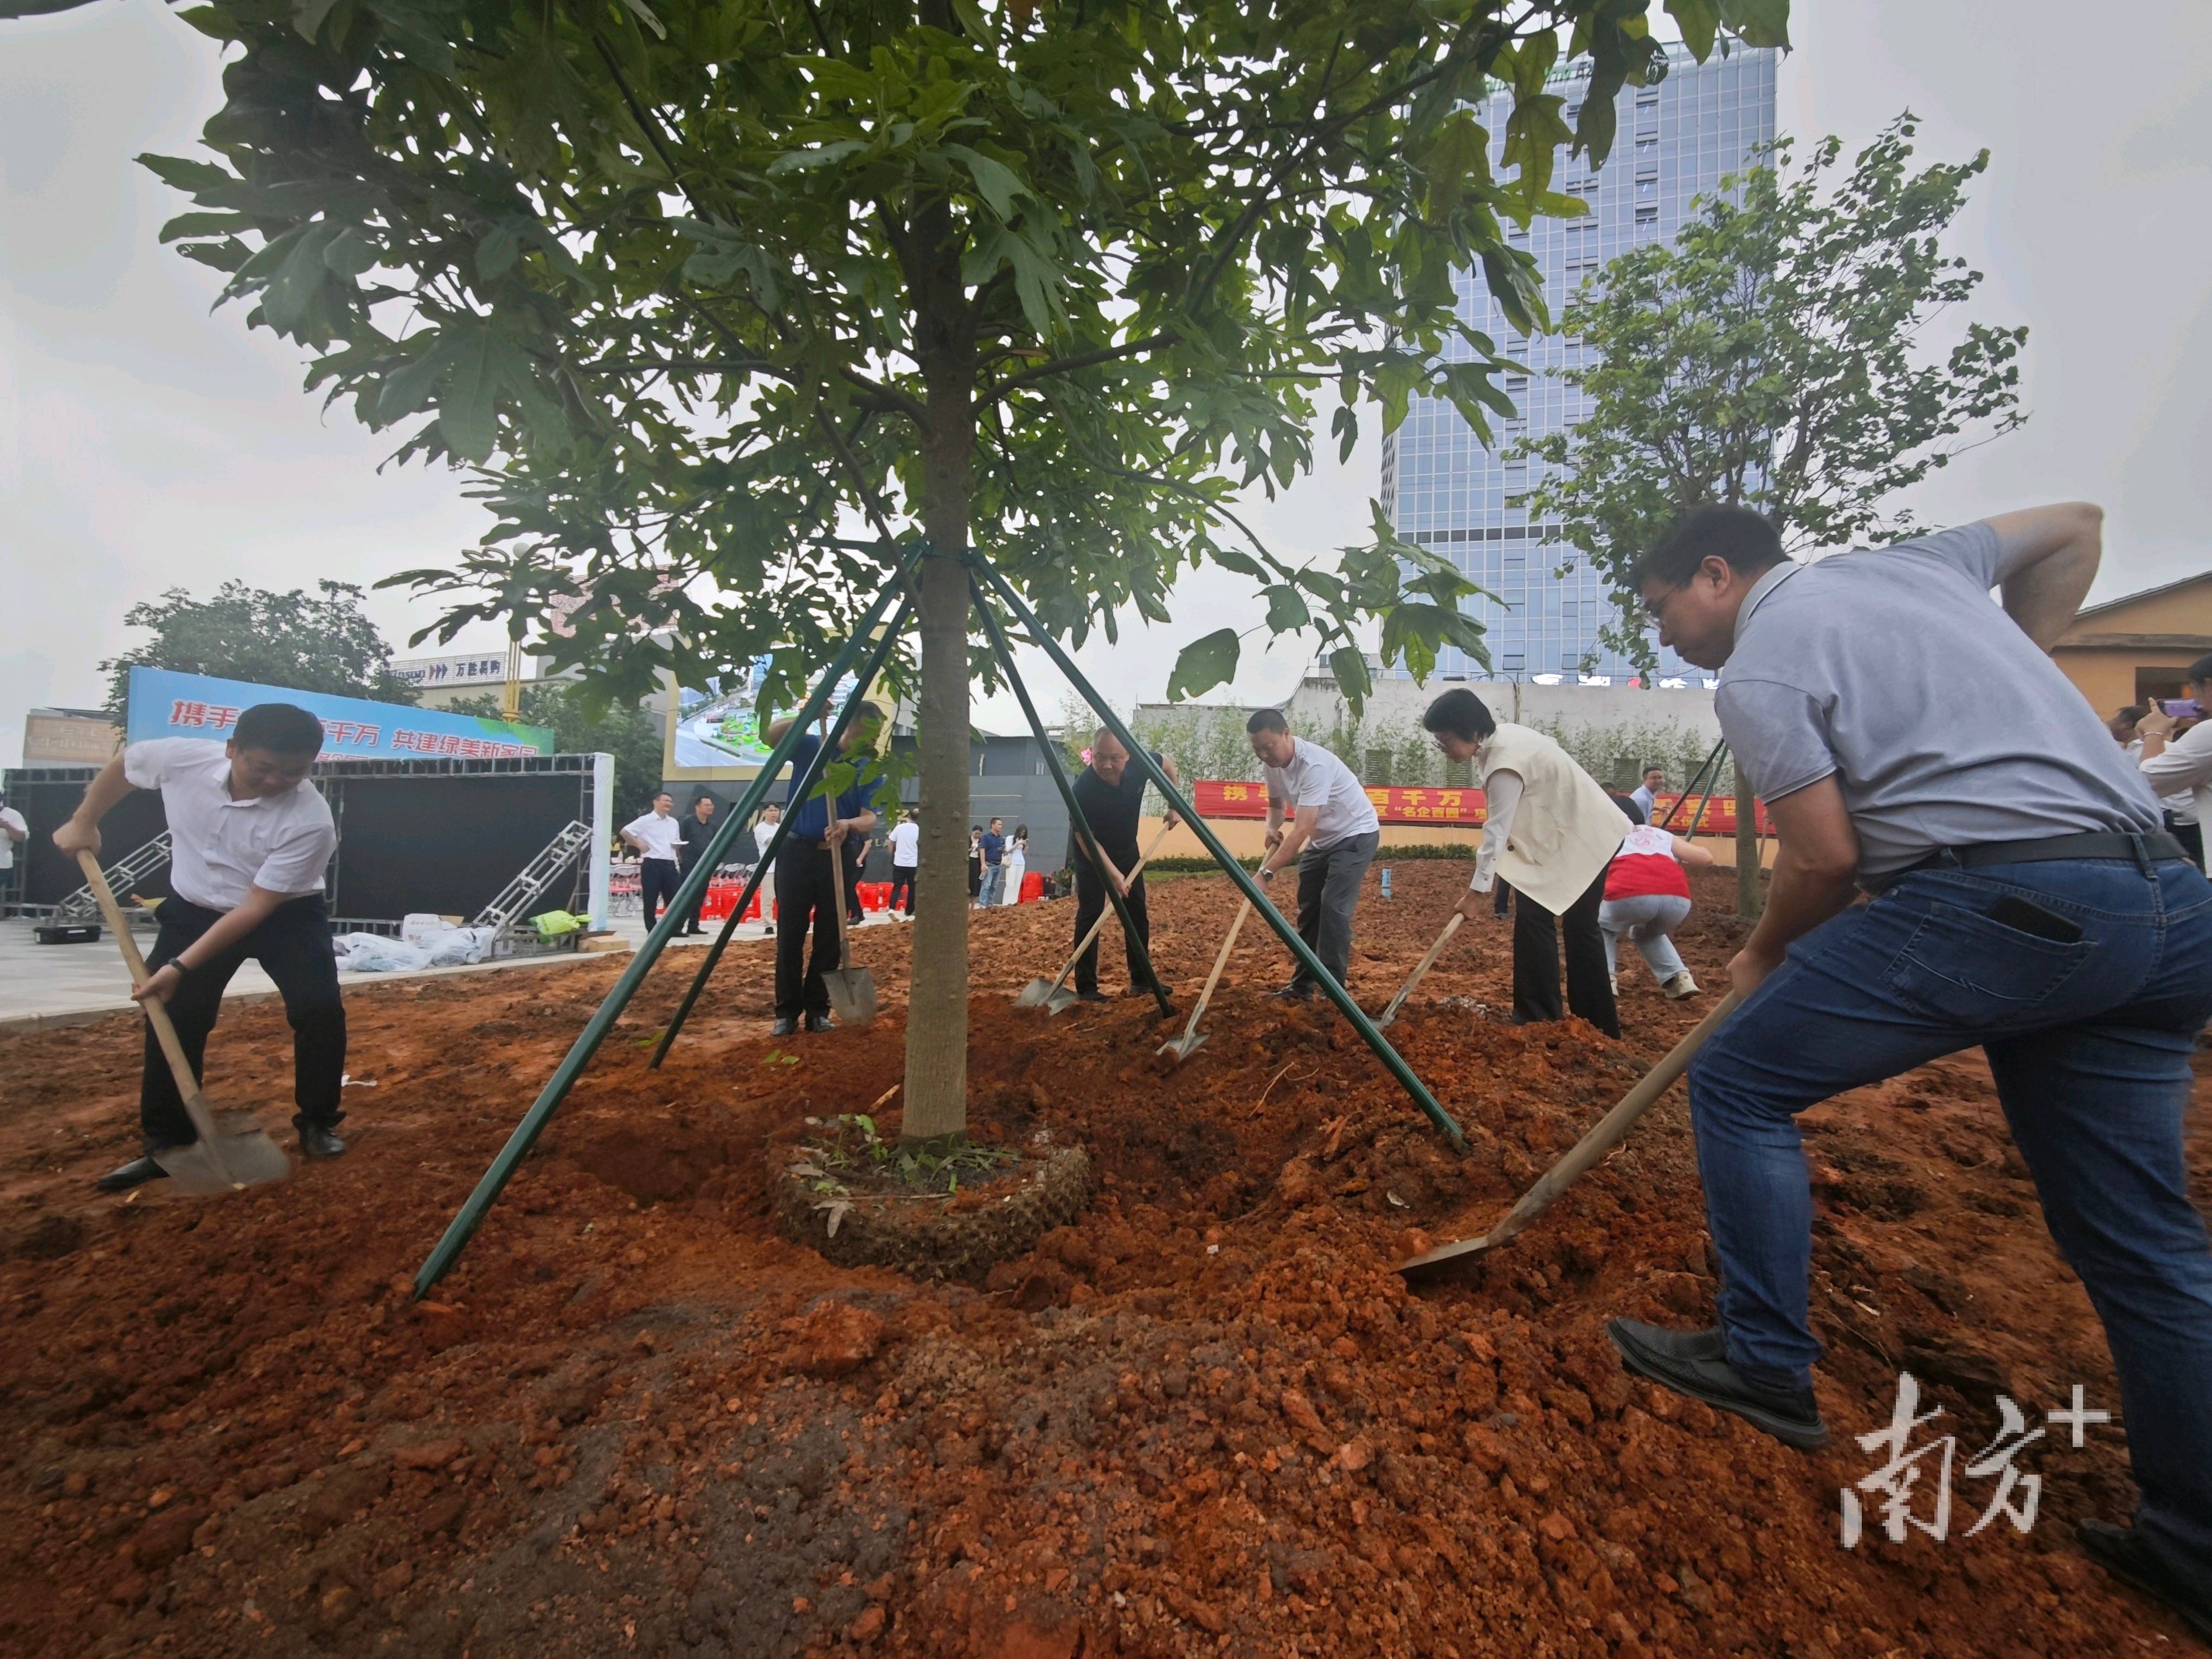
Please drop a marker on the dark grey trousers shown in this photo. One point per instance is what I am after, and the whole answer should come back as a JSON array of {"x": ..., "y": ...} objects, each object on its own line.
[{"x": 1328, "y": 893}]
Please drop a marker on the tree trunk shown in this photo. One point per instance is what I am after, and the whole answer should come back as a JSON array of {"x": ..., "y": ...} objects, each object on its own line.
[
  {"x": 937, "y": 1004},
  {"x": 1749, "y": 900}
]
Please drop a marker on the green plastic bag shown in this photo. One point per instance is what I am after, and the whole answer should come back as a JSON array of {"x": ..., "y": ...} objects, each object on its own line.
[{"x": 554, "y": 923}]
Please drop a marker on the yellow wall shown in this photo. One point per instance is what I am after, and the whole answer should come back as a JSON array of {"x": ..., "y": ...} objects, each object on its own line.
[{"x": 2166, "y": 631}]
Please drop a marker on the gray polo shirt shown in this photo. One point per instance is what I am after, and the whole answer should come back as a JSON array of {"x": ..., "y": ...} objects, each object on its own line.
[{"x": 1944, "y": 724}]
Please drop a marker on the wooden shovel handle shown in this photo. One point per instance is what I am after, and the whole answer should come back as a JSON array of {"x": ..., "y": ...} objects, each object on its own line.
[
  {"x": 1609, "y": 1131},
  {"x": 1138, "y": 869},
  {"x": 1421, "y": 968},
  {"x": 1219, "y": 962},
  {"x": 165, "y": 1032}
]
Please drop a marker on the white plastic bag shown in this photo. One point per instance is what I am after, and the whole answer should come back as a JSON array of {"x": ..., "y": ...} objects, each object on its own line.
[
  {"x": 458, "y": 946},
  {"x": 372, "y": 953},
  {"x": 422, "y": 926}
]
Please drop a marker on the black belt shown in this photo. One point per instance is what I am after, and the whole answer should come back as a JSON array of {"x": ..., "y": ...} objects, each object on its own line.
[{"x": 2144, "y": 850}]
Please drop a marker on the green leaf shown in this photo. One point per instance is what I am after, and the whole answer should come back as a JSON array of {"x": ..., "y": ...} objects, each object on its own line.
[
  {"x": 1698, "y": 20},
  {"x": 1243, "y": 564},
  {"x": 190, "y": 177},
  {"x": 999, "y": 185},
  {"x": 972, "y": 19},
  {"x": 802, "y": 160},
  {"x": 1205, "y": 664},
  {"x": 1349, "y": 665},
  {"x": 1286, "y": 611},
  {"x": 496, "y": 252},
  {"x": 351, "y": 252},
  {"x": 468, "y": 407},
  {"x": 1758, "y": 22},
  {"x": 644, "y": 14},
  {"x": 205, "y": 224},
  {"x": 308, "y": 17}
]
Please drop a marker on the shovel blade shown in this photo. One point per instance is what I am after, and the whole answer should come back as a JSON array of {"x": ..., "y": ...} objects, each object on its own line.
[
  {"x": 852, "y": 994},
  {"x": 1060, "y": 1002},
  {"x": 242, "y": 1156},
  {"x": 1035, "y": 993},
  {"x": 1184, "y": 1046},
  {"x": 1428, "y": 1260}
]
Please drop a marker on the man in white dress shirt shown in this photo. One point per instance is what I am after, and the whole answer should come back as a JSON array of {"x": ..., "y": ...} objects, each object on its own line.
[
  {"x": 1318, "y": 815},
  {"x": 250, "y": 839},
  {"x": 659, "y": 839}
]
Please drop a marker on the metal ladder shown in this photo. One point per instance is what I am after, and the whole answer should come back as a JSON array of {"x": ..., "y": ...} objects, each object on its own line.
[
  {"x": 126, "y": 873},
  {"x": 515, "y": 899}
]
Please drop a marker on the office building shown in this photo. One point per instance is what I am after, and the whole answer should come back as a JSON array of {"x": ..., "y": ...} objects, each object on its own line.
[{"x": 1441, "y": 486}]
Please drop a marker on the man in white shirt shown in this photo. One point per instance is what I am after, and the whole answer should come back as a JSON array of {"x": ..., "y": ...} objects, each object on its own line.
[
  {"x": 1646, "y": 794},
  {"x": 12, "y": 830},
  {"x": 250, "y": 839},
  {"x": 2179, "y": 768},
  {"x": 659, "y": 843},
  {"x": 763, "y": 833},
  {"x": 1553, "y": 830},
  {"x": 1332, "y": 831},
  {"x": 906, "y": 859}
]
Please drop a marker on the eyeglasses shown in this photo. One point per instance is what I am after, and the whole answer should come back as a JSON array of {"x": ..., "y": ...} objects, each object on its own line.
[{"x": 1656, "y": 609}]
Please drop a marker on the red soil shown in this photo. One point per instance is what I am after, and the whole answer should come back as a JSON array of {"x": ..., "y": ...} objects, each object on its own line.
[{"x": 1208, "y": 1418}]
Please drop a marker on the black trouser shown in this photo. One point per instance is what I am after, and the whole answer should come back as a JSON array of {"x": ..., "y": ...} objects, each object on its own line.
[
  {"x": 975, "y": 877},
  {"x": 1501, "y": 899},
  {"x": 1091, "y": 903},
  {"x": 2191, "y": 837},
  {"x": 1328, "y": 894},
  {"x": 805, "y": 888},
  {"x": 293, "y": 945},
  {"x": 856, "y": 851},
  {"x": 657, "y": 881},
  {"x": 903, "y": 882},
  {"x": 690, "y": 923},
  {"x": 1536, "y": 961}
]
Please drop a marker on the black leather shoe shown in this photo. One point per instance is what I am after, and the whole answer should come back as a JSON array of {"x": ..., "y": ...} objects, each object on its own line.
[
  {"x": 137, "y": 1173},
  {"x": 1146, "y": 990},
  {"x": 1300, "y": 993},
  {"x": 315, "y": 1141},
  {"x": 785, "y": 1025},
  {"x": 1092, "y": 996},
  {"x": 2120, "y": 1553},
  {"x": 820, "y": 1023},
  {"x": 1693, "y": 1363}
]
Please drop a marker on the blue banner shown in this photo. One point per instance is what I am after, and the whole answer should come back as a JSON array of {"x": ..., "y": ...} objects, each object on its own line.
[{"x": 166, "y": 704}]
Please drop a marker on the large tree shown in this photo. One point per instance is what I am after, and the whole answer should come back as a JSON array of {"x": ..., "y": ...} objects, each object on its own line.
[
  {"x": 298, "y": 639},
  {"x": 702, "y": 287},
  {"x": 1780, "y": 354}
]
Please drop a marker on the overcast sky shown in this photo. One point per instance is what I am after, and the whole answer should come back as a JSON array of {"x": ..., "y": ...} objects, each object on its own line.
[{"x": 147, "y": 443}]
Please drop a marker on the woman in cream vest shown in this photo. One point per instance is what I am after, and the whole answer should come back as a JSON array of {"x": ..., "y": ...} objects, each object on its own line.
[{"x": 1550, "y": 830}]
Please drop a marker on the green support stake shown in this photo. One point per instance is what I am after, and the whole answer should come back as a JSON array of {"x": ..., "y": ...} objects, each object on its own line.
[
  {"x": 1005, "y": 653},
  {"x": 469, "y": 1217},
  {"x": 1351, "y": 1010},
  {"x": 801, "y": 788}
]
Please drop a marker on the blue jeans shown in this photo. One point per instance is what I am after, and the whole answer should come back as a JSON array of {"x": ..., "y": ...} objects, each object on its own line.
[
  {"x": 994, "y": 884},
  {"x": 2089, "y": 1042}
]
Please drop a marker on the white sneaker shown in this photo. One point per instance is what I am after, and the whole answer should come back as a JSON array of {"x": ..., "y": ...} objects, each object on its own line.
[{"x": 1681, "y": 986}]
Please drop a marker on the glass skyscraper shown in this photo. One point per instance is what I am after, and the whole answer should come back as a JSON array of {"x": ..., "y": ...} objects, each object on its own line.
[{"x": 1440, "y": 488}]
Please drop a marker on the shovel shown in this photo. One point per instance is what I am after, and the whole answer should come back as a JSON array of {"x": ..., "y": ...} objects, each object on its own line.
[
  {"x": 233, "y": 1152},
  {"x": 852, "y": 990},
  {"x": 1049, "y": 992},
  {"x": 1421, "y": 968},
  {"x": 1191, "y": 1041},
  {"x": 1607, "y": 1133}
]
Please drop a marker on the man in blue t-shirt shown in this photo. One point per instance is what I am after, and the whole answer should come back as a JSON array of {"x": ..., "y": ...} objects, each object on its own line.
[
  {"x": 994, "y": 865},
  {"x": 806, "y": 875}
]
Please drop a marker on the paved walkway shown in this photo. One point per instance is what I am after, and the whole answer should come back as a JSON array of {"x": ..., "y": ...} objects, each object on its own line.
[{"x": 62, "y": 984}]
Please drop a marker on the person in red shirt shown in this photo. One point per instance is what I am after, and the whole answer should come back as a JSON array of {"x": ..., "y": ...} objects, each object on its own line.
[{"x": 1647, "y": 896}]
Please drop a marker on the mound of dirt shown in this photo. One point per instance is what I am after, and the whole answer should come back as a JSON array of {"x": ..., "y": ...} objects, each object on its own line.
[{"x": 1205, "y": 1416}]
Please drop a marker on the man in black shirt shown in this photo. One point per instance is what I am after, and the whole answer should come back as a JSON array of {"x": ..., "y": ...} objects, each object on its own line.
[
  {"x": 697, "y": 829},
  {"x": 1111, "y": 793}
]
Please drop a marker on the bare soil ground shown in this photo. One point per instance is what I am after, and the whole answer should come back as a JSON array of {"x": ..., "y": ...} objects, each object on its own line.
[{"x": 1208, "y": 1417}]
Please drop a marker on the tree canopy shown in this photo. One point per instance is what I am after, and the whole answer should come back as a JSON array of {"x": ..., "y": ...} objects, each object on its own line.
[
  {"x": 700, "y": 287},
  {"x": 241, "y": 633},
  {"x": 632, "y": 734},
  {"x": 1776, "y": 356}
]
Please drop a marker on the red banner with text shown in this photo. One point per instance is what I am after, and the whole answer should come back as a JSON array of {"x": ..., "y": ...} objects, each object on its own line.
[{"x": 1461, "y": 808}]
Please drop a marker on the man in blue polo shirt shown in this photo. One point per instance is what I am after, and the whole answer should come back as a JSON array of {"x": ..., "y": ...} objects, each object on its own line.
[
  {"x": 1914, "y": 741},
  {"x": 806, "y": 875}
]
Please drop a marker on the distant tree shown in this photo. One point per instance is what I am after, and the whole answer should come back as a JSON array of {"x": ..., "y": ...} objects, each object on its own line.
[
  {"x": 1773, "y": 356},
  {"x": 292, "y": 640},
  {"x": 630, "y": 733}
]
